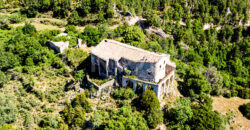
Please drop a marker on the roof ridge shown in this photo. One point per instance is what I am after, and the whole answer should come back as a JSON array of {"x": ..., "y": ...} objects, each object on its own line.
[{"x": 134, "y": 48}]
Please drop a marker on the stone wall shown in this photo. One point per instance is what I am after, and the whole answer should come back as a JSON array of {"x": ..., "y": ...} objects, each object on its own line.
[
  {"x": 161, "y": 89},
  {"x": 143, "y": 70},
  {"x": 105, "y": 88}
]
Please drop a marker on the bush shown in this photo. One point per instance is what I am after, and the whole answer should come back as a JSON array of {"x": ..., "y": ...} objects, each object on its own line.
[
  {"x": 29, "y": 29},
  {"x": 79, "y": 76},
  {"x": 245, "y": 110},
  {"x": 8, "y": 111},
  {"x": 70, "y": 28},
  {"x": 82, "y": 101},
  {"x": 123, "y": 93},
  {"x": 91, "y": 35}
]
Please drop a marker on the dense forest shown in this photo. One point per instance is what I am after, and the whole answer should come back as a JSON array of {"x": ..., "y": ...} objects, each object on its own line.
[{"x": 211, "y": 61}]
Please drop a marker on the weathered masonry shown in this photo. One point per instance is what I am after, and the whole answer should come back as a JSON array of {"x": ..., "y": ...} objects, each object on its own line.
[{"x": 149, "y": 70}]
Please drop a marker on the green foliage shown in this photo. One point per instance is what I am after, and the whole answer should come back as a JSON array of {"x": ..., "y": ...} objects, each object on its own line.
[
  {"x": 195, "y": 83},
  {"x": 74, "y": 18},
  {"x": 7, "y": 127},
  {"x": 245, "y": 110},
  {"x": 123, "y": 93},
  {"x": 70, "y": 28},
  {"x": 121, "y": 119},
  {"x": 3, "y": 79},
  {"x": 154, "y": 118},
  {"x": 180, "y": 113},
  {"x": 150, "y": 103},
  {"x": 74, "y": 116},
  {"x": 152, "y": 18},
  {"x": 29, "y": 29},
  {"x": 215, "y": 79},
  {"x": 49, "y": 121},
  {"x": 79, "y": 76},
  {"x": 8, "y": 110},
  {"x": 82, "y": 101},
  {"x": 91, "y": 35},
  {"x": 133, "y": 33},
  {"x": 205, "y": 119},
  {"x": 128, "y": 72}
]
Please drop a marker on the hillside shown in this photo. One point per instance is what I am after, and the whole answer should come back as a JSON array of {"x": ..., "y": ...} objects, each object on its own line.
[{"x": 41, "y": 88}]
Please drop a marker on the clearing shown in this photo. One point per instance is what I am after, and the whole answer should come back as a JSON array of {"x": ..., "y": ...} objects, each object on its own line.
[{"x": 227, "y": 105}]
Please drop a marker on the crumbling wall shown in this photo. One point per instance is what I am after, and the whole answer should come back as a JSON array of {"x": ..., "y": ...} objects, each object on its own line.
[{"x": 143, "y": 70}]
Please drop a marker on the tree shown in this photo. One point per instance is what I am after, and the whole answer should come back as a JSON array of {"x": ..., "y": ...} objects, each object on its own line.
[
  {"x": 74, "y": 18},
  {"x": 195, "y": 83},
  {"x": 150, "y": 103},
  {"x": 85, "y": 7},
  {"x": 79, "y": 119},
  {"x": 152, "y": 18},
  {"x": 91, "y": 35},
  {"x": 74, "y": 116},
  {"x": 133, "y": 33},
  {"x": 121, "y": 119},
  {"x": 155, "y": 46},
  {"x": 154, "y": 118},
  {"x": 180, "y": 113},
  {"x": 205, "y": 119},
  {"x": 29, "y": 29},
  {"x": 215, "y": 79}
]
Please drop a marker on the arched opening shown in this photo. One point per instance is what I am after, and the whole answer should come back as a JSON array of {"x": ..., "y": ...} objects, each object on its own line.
[
  {"x": 167, "y": 83},
  {"x": 149, "y": 87},
  {"x": 139, "y": 88},
  {"x": 129, "y": 84},
  {"x": 171, "y": 81}
]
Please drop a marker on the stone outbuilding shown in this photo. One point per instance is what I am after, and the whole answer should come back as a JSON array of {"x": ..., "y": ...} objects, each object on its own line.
[
  {"x": 60, "y": 47},
  {"x": 149, "y": 70}
]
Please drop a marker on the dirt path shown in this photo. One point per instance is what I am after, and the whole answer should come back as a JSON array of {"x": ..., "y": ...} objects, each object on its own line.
[{"x": 225, "y": 105}]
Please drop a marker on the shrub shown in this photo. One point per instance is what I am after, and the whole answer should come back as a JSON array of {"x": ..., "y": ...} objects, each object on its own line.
[
  {"x": 91, "y": 35},
  {"x": 8, "y": 111},
  {"x": 29, "y": 29},
  {"x": 79, "y": 75},
  {"x": 70, "y": 28},
  {"x": 123, "y": 93},
  {"x": 82, "y": 101}
]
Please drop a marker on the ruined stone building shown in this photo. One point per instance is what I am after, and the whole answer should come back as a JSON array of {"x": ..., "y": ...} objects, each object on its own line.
[
  {"x": 59, "y": 47},
  {"x": 149, "y": 70}
]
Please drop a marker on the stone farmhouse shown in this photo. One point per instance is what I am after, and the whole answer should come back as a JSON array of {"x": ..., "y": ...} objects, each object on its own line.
[{"x": 149, "y": 70}]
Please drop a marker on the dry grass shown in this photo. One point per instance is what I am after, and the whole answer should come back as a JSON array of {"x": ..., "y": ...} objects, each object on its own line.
[
  {"x": 45, "y": 81},
  {"x": 225, "y": 105},
  {"x": 40, "y": 26}
]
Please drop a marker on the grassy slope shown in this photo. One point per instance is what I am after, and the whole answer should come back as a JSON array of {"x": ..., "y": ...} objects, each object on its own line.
[
  {"x": 225, "y": 105},
  {"x": 46, "y": 82}
]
